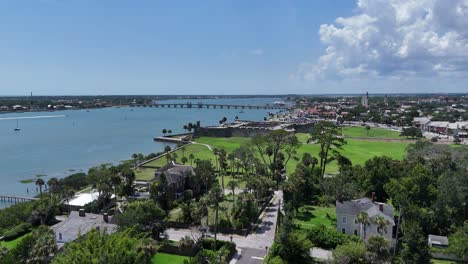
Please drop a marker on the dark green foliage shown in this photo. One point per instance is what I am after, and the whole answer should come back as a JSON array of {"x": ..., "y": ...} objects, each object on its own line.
[
  {"x": 415, "y": 248},
  {"x": 17, "y": 231},
  {"x": 160, "y": 192},
  {"x": 294, "y": 249},
  {"x": 205, "y": 174},
  {"x": 412, "y": 132},
  {"x": 378, "y": 250},
  {"x": 118, "y": 248},
  {"x": 38, "y": 248},
  {"x": 350, "y": 253},
  {"x": 15, "y": 215},
  {"x": 245, "y": 210},
  {"x": 376, "y": 173},
  {"x": 75, "y": 181},
  {"x": 143, "y": 216},
  {"x": 459, "y": 242},
  {"x": 327, "y": 136},
  {"x": 328, "y": 238}
]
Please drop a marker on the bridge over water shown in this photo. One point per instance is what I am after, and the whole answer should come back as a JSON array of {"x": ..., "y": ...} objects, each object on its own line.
[
  {"x": 203, "y": 105},
  {"x": 16, "y": 199}
]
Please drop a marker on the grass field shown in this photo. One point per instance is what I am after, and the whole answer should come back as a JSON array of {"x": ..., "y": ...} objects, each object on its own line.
[
  {"x": 164, "y": 258},
  {"x": 144, "y": 174},
  {"x": 374, "y": 132},
  {"x": 357, "y": 151},
  {"x": 312, "y": 216},
  {"x": 199, "y": 151},
  {"x": 240, "y": 183},
  {"x": 12, "y": 244}
]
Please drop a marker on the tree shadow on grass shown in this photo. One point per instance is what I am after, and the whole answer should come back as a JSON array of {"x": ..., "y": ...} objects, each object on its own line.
[{"x": 306, "y": 214}]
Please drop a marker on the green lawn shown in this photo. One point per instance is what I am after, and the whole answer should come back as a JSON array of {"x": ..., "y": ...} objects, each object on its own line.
[
  {"x": 12, "y": 244},
  {"x": 310, "y": 216},
  {"x": 144, "y": 174},
  {"x": 357, "y": 151},
  {"x": 164, "y": 258},
  {"x": 240, "y": 183},
  {"x": 374, "y": 132},
  {"x": 199, "y": 151}
]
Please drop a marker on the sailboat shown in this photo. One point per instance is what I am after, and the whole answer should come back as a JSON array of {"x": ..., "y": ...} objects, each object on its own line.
[{"x": 17, "y": 127}]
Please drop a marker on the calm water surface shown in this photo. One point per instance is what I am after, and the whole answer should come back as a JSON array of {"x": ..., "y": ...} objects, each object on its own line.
[{"x": 78, "y": 139}]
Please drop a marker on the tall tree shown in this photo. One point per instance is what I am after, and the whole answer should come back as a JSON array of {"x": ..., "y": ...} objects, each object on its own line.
[
  {"x": 276, "y": 149},
  {"x": 327, "y": 135},
  {"x": 378, "y": 250},
  {"x": 215, "y": 195},
  {"x": 232, "y": 185},
  {"x": 159, "y": 192},
  {"x": 415, "y": 248},
  {"x": 40, "y": 182}
]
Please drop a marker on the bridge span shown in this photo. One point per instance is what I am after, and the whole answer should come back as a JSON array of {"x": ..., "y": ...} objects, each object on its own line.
[{"x": 206, "y": 106}]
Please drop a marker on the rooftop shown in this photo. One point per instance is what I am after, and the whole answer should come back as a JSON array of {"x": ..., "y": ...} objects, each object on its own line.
[{"x": 75, "y": 225}]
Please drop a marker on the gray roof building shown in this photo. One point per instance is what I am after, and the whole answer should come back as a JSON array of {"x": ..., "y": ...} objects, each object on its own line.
[
  {"x": 174, "y": 172},
  {"x": 437, "y": 241},
  {"x": 80, "y": 223}
]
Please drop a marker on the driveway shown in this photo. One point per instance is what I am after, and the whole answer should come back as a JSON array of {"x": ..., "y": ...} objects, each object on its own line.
[{"x": 254, "y": 244}]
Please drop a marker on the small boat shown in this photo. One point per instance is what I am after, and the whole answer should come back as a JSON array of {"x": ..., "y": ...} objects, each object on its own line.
[{"x": 17, "y": 127}]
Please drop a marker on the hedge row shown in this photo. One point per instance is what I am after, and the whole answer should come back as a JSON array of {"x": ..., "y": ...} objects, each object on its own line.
[{"x": 17, "y": 231}]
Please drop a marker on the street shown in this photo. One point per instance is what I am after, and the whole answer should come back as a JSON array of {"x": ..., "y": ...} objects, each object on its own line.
[{"x": 253, "y": 246}]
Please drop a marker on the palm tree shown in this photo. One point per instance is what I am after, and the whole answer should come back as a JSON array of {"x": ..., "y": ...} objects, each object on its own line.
[
  {"x": 382, "y": 224},
  {"x": 44, "y": 246},
  {"x": 140, "y": 158},
  {"x": 191, "y": 158},
  {"x": 215, "y": 195},
  {"x": 53, "y": 184},
  {"x": 367, "y": 129},
  {"x": 147, "y": 248},
  {"x": 184, "y": 160},
  {"x": 232, "y": 185},
  {"x": 169, "y": 131},
  {"x": 362, "y": 219},
  {"x": 185, "y": 244},
  {"x": 164, "y": 131},
  {"x": 135, "y": 156},
  {"x": 40, "y": 182}
]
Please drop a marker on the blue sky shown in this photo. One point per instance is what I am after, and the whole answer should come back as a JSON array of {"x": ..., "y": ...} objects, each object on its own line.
[{"x": 229, "y": 47}]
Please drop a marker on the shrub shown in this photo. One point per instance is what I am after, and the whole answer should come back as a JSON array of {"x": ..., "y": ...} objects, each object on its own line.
[
  {"x": 328, "y": 238},
  {"x": 17, "y": 231}
]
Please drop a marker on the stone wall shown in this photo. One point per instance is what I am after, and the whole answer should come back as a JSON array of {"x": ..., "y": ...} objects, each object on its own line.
[{"x": 223, "y": 132}]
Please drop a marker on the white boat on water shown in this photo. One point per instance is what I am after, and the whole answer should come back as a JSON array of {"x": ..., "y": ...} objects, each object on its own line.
[{"x": 17, "y": 127}]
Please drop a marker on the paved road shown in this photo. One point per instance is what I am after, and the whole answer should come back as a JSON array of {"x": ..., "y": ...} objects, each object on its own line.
[
  {"x": 252, "y": 245},
  {"x": 250, "y": 256}
]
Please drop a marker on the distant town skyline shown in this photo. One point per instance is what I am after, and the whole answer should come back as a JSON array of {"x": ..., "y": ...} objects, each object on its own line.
[{"x": 55, "y": 47}]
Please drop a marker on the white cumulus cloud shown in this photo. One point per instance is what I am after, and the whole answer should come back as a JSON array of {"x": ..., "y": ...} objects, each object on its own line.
[{"x": 395, "y": 38}]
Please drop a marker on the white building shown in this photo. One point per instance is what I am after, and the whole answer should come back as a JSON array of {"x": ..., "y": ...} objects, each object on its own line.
[{"x": 347, "y": 221}]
